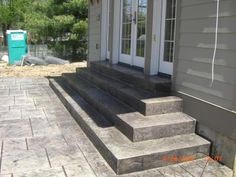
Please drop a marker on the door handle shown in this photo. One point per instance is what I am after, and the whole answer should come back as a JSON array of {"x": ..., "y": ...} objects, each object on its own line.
[{"x": 135, "y": 18}]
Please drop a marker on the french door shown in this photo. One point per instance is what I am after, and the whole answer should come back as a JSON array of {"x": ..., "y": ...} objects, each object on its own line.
[{"x": 133, "y": 32}]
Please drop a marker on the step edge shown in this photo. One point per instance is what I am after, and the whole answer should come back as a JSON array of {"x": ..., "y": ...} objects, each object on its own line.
[{"x": 162, "y": 99}]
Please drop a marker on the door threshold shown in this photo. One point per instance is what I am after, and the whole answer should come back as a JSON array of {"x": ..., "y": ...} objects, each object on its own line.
[
  {"x": 164, "y": 75},
  {"x": 131, "y": 67}
]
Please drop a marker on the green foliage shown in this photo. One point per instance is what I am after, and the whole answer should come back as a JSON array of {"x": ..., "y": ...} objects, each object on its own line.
[
  {"x": 77, "y": 7},
  {"x": 80, "y": 29},
  {"x": 12, "y": 11},
  {"x": 54, "y": 22}
]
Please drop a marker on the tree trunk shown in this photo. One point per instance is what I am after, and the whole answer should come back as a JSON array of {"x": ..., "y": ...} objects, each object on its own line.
[
  {"x": 4, "y": 34},
  {"x": 5, "y": 27}
]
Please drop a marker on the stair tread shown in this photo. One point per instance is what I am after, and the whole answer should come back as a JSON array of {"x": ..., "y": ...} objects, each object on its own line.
[
  {"x": 122, "y": 148},
  {"x": 137, "y": 121},
  {"x": 135, "y": 73},
  {"x": 122, "y": 86},
  {"x": 162, "y": 99},
  {"x": 100, "y": 96},
  {"x": 119, "y": 145}
]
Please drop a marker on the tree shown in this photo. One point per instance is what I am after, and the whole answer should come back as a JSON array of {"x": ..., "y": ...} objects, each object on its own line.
[
  {"x": 71, "y": 24},
  {"x": 12, "y": 13},
  {"x": 53, "y": 22}
]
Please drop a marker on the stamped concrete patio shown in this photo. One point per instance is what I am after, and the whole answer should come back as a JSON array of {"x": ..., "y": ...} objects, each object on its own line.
[{"x": 39, "y": 138}]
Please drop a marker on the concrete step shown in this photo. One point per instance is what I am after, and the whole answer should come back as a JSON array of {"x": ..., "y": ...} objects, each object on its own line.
[
  {"x": 138, "y": 128},
  {"x": 141, "y": 100},
  {"x": 136, "y": 78},
  {"x": 121, "y": 154},
  {"x": 133, "y": 124}
]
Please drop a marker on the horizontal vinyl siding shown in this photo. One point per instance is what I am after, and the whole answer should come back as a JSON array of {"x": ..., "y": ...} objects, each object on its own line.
[
  {"x": 207, "y": 25},
  {"x": 197, "y": 69},
  {"x": 94, "y": 32},
  {"x": 224, "y": 58},
  {"x": 208, "y": 9},
  {"x": 195, "y": 46}
]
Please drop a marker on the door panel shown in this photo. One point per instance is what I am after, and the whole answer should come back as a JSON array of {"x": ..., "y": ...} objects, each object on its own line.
[
  {"x": 127, "y": 31},
  {"x": 133, "y": 32},
  {"x": 168, "y": 37},
  {"x": 141, "y": 17}
]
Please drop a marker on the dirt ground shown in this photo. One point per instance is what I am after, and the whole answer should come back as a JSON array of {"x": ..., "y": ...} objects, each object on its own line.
[{"x": 38, "y": 71}]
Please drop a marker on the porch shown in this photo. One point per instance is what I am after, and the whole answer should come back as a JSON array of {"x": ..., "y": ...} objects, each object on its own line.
[{"x": 138, "y": 33}]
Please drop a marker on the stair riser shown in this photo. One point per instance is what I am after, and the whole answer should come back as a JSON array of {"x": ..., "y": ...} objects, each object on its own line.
[
  {"x": 155, "y": 132},
  {"x": 146, "y": 109},
  {"x": 131, "y": 164},
  {"x": 140, "y": 83},
  {"x": 157, "y": 160},
  {"x": 163, "y": 131},
  {"x": 163, "y": 107}
]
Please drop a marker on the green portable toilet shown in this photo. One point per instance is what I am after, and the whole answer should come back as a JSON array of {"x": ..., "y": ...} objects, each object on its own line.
[{"x": 17, "y": 45}]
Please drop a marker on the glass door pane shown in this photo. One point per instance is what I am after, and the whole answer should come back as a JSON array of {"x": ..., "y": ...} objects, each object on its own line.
[
  {"x": 141, "y": 27},
  {"x": 126, "y": 38},
  {"x": 168, "y": 39},
  {"x": 170, "y": 31}
]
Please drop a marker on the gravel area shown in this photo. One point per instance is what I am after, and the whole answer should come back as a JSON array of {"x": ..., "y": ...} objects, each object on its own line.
[{"x": 38, "y": 71}]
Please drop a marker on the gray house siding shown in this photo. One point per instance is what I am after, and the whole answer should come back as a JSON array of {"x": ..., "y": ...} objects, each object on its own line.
[
  {"x": 94, "y": 32},
  {"x": 195, "y": 45},
  {"x": 213, "y": 107}
]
